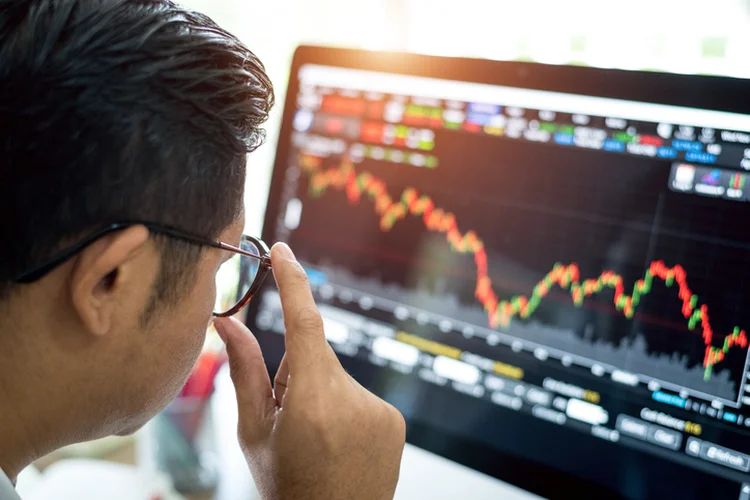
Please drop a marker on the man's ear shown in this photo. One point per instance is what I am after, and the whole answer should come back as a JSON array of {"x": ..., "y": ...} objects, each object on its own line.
[{"x": 105, "y": 273}]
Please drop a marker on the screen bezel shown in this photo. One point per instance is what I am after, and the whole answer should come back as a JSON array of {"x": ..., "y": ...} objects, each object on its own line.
[{"x": 705, "y": 92}]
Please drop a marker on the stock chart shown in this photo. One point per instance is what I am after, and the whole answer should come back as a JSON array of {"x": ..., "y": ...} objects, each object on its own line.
[
  {"x": 566, "y": 277},
  {"x": 561, "y": 256}
]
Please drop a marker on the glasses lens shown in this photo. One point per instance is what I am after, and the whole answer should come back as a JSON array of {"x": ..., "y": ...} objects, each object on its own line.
[{"x": 235, "y": 277}]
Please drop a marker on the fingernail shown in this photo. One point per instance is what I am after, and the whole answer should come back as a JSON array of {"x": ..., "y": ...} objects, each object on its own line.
[
  {"x": 285, "y": 251},
  {"x": 220, "y": 329}
]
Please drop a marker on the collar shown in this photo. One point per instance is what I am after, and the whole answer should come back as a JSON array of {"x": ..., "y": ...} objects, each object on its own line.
[{"x": 7, "y": 490}]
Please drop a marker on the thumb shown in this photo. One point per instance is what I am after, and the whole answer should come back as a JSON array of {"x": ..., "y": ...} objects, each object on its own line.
[{"x": 247, "y": 368}]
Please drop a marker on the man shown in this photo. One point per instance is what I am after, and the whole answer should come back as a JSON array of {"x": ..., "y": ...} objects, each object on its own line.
[{"x": 113, "y": 111}]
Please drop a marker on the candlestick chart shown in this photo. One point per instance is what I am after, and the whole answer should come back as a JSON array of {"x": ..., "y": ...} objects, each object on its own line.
[{"x": 502, "y": 311}]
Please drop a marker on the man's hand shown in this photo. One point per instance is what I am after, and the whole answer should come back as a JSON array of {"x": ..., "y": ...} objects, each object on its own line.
[{"x": 319, "y": 435}]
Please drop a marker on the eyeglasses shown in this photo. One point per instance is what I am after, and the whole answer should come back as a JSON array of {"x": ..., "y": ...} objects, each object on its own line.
[{"x": 237, "y": 281}]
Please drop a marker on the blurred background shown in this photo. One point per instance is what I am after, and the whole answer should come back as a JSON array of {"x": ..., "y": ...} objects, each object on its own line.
[{"x": 681, "y": 36}]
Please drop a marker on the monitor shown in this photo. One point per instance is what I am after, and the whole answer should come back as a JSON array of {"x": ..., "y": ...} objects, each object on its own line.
[{"x": 545, "y": 268}]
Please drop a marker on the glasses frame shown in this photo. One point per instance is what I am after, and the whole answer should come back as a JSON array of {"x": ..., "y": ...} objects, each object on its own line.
[{"x": 38, "y": 272}]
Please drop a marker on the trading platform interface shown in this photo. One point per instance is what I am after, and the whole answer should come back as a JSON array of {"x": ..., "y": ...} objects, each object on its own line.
[{"x": 578, "y": 261}]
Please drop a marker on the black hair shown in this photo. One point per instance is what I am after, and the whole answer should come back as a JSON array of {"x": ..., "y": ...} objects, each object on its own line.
[{"x": 117, "y": 110}]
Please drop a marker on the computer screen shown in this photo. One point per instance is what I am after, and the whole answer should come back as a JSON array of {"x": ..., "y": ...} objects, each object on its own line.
[{"x": 547, "y": 284}]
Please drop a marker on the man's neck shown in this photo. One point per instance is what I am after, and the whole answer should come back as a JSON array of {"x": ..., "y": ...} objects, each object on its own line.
[
  {"x": 39, "y": 409},
  {"x": 25, "y": 402},
  {"x": 16, "y": 439}
]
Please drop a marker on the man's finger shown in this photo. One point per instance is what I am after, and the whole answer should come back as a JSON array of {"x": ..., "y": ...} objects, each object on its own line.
[
  {"x": 306, "y": 344},
  {"x": 281, "y": 381},
  {"x": 248, "y": 371}
]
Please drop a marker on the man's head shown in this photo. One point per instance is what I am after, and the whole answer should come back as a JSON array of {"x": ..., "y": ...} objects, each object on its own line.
[{"x": 112, "y": 111}]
